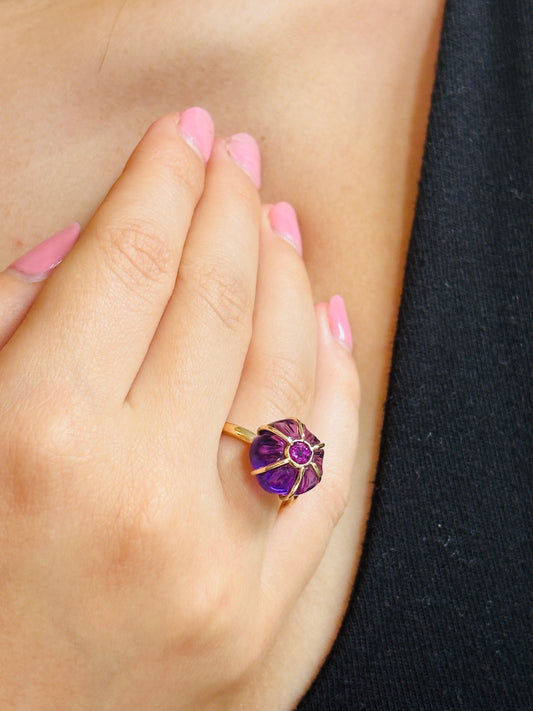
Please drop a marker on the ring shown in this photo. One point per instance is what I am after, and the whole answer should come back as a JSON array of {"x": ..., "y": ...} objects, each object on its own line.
[{"x": 286, "y": 457}]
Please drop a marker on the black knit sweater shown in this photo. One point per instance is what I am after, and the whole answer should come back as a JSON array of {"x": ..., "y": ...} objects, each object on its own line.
[{"x": 439, "y": 617}]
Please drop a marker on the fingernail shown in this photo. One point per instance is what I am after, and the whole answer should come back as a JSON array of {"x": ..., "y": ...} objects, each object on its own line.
[
  {"x": 285, "y": 223},
  {"x": 338, "y": 322},
  {"x": 245, "y": 152},
  {"x": 37, "y": 264},
  {"x": 197, "y": 128}
]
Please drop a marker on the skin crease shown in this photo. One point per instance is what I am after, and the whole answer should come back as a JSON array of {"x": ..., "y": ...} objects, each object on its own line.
[{"x": 337, "y": 95}]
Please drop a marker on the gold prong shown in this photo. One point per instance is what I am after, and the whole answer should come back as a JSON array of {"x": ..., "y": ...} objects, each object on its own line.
[
  {"x": 269, "y": 467},
  {"x": 317, "y": 471},
  {"x": 273, "y": 430},
  {"x": 301, "y": 429},
  {"x": 295, "y": 486}
]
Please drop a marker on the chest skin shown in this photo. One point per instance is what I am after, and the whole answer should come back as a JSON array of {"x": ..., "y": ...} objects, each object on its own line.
[{"x": 337, "y": 94}]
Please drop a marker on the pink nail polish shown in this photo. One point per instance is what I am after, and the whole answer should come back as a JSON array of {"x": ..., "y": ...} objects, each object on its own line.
[
  {"x": 197, "y": 128},
  {"x": 338, "y": 322},
  {"x": 245, "y": 152},
  {"x": 285, "y": 223},
  {"x": 39, "y": 262}
]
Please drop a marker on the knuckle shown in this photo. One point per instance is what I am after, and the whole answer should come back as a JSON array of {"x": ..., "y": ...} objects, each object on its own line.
[
  {"x": 226, "y": 295},
  {"x": 53, "y": 437},
  {"x": 134, "y": 536},
  {"x": 209, "y": 612},
  {"x": 40, "y": 451},
  {"x": 290, "y": 385},
  {"x": 138, "y": 256},
  {"x": 209, "y": 605}
]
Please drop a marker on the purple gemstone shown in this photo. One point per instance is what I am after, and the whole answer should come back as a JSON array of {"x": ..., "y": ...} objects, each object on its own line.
[
  {"x": 310, "y": 437},
  {"x": 309, "y": 480},
  {"x": 300, "y": 452},
  {"x": 318, "y": 459},
  {"x": 269, "y": 448},
  {"x": 280, "y": 480},
  {"x": 287, "y": 427},
  {"x": 266, "y": 449}
]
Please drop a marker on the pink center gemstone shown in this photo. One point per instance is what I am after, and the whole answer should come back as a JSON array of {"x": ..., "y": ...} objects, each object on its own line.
[{"x": 300, "y": 452}]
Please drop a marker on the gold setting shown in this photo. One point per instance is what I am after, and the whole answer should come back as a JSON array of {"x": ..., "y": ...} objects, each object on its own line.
[{"x": 247, "y": 436}]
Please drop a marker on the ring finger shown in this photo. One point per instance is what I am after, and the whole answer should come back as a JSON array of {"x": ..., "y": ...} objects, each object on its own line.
[{"x": 279, "y": 374}]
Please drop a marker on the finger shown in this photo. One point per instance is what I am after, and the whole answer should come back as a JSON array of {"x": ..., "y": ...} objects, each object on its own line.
[
  {"x": 201, "y": 343},
  {"x": 309, "y": 522},
  {"x": 22, "y": 280},
  {"x": 278, "y": 380},
  {"x": 96, "y": 317}
]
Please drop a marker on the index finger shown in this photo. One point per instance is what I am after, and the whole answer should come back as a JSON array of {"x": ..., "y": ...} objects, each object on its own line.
[
  {"x": 95, "y": 318},
  {"x": 22, "y": 280}
]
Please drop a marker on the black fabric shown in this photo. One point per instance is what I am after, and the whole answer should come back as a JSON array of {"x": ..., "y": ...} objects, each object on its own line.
[{"x": 440, "y": 613}]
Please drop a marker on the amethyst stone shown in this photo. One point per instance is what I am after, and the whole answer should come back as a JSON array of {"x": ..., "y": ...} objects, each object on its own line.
[
  {"x": 292, "y": 455},
  {"x": 300, "y": 452}
]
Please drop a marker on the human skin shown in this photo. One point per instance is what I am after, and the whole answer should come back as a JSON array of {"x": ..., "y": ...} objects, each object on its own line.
[
  {"x": 142, "y": 566},
  {"x": 340, "y": 116}
]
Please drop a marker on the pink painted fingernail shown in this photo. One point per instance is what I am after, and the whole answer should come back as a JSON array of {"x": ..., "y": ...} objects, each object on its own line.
[
  {"x": 197, "y": 128},
  {"x": 37, "y": 264},
  {"x": 245, "y": 152},
  {"x": 285, "y": 223},
  {"x": 338, "y": 322}
]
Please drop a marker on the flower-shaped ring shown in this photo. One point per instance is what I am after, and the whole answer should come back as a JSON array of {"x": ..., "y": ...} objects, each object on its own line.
[{"x": 286, "y": 457}]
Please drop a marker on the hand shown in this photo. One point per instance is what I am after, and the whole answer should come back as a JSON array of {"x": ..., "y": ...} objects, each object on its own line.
[{"x": 142, "y": 566}]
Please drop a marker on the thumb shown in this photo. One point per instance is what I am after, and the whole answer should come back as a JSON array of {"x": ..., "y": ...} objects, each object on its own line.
[{"x": 21, "y": 281}]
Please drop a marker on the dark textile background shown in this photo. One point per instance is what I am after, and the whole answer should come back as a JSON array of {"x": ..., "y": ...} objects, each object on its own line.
[{"x": 440, "y": 613}]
